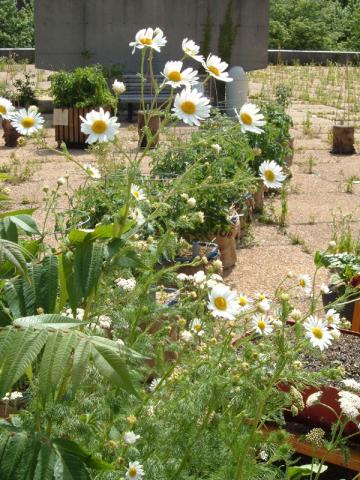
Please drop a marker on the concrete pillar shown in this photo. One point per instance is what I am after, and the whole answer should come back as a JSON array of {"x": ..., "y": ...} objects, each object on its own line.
[{"x": 236, "y": 91}]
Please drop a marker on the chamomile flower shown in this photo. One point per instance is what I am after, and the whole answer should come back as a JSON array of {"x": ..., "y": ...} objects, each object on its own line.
[
  {"x": 92, "y": 171},
  {"x": 192, "y": 50},
  {"x": 176, "y": 77},
  {"x": 245, "y": 302},
  {"x": 130, "y": 437},
  {"x": 26, "y": 122},
  {"x": 262, "y": 324},
  {"x": 216, "y": 68},
  {"x": 271, "y": 174},
  {"x": 197, "y": 327},
  {"x": 135, "y": 471},
  {"x": 223, "y": 302},
  {"x": 6, "y": 108},
  {"x": 154, "y": 384},
  {"x": 137, "y": 215},
  {"x": 147, "y": 37},
  {"x": 118, "y": 87},
  {"x": 191, "y": 106},
  {"x": 305, "y": 283},
  {"x": 12, "y": 396},
  {"x": 264, "y": 305},
  {"x": 99, "y": 126},
  {"x": 332, "y": 318},
  {"x": 317, "y": 332},
  {"x": 250, "y": 119},
  {"x": 137, "y": 192}
]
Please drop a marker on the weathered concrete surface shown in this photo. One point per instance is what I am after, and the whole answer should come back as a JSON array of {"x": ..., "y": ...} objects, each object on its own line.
[{"x": 70, "y": 33}]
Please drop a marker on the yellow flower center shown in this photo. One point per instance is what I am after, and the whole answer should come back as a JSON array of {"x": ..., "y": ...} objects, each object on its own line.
[
  {"x": 317, "y": 332},
  {"x": 132, "y": 472},
  {"x": 262, "y": 325},
  {"x": 214, "y": 70},
  {"x": 174, "y": 76},
  {"x": 302, "y": 283},
  {"x": 269, "y": 175},
  {"x": 243, "y": 301},
  {"x": 146, "y": 41},
  {"x": 2, "y": 110},
  {"x": 246, "y": 118},
  {"x": 28, "y": 122},
  {"x": 99, "y": 126},
  {"x": 197, "y": 328},
  {"x": 188, "y": 107},
  {"x": 220, "y": 303},
  {"x": 262, "y": 297},
  {"x": 136, "y": 194}
]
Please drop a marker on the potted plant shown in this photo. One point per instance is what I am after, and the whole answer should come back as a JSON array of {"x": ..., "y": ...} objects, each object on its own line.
[
  {"x": 344, "y": 282},
  {"x": 75, "y": 94},
  {"x": 10, "y": 133}
]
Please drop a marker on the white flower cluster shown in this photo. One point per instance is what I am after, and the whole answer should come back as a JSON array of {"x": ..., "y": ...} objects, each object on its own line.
[
  {"x": 126, "y": 284},
  {"x": 349, "y": 404},
  {"x": 11, "y": 396},
  {"x": 79, "y": 313}
]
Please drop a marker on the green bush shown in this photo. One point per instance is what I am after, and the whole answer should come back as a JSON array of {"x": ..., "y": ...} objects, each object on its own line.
[
  {"x": 17, "y": 24},
  {"x": 81, "y": 88}
]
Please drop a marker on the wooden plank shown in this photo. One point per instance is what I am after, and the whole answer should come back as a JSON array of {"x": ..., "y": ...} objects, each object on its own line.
[
  {"x": 356, "y": 318},
  {"x": 335, "y": 457},
  {"x": 71, "y": 124},
  {"x": 76, "y": 120}
]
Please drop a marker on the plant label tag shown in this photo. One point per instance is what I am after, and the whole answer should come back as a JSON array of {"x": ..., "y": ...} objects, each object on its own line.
[{"x": 61, "y": 117}]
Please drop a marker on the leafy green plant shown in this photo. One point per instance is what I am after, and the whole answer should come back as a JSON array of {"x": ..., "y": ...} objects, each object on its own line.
[{"x": 83, "y": 87}]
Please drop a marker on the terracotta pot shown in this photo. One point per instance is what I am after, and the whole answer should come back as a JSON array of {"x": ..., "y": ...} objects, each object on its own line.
[
  {"x": 153, "y": 124},
  {"x": 211, "y": 255},
  {"x": 259, "y": 198},
  {"x": 227, "y": 247},
  {"x": 11, "y": 135}
]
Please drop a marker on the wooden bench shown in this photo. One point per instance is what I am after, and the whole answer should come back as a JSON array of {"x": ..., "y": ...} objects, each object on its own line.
[{"x": 132, "y": 95}]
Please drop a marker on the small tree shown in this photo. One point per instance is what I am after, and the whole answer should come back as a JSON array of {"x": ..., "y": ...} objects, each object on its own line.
[{"x": 17, "y": 25}]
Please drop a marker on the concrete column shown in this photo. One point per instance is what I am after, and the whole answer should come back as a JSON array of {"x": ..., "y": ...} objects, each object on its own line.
[{"x": 236, "y": 91}]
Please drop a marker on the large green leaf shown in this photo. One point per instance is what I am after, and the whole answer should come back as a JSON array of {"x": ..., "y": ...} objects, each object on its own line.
[
  {"x": 53, "y": 321},
  {"x": 73, "y": 448},
  {"x": 14, "y": 255},
  {"x": 17, "y": 354}
]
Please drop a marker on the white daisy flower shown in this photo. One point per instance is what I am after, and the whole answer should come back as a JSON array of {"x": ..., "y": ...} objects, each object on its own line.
[
  {"x": 332, "y": 318},
  {"x": 147, "y": 37},
  {"x": 6, "y": 108},
  {"x": 352, "y": 384},
  {"x": 272, "y": 174},
  {"x": 350, "y": 404},
  {"x": 118, "y": 87},
  {"x": 305, "y": 283},
  {"x": 223, "y": 302},
  {"x": 313, "y": 398},
  {"x": 245, "y": 302},
  {"x": 154, "y": 384},
  {"x": 216, "y": 68},
  {"x": 317, "y": 332},
  {"x": 197, "y": 327},
  {"x": 26, "y": 122},
  {"x": 135, "y": 471},
  {"x": 137, "y": 215},
  {"x": 130, "y": 438},
  {"x": 177, "y": 78},
  {"x": 262, "y": 324},
  {"x": 250, "y": 119},
  {"x": 191, "y": 106},
  {"x": 214, "y": 279},
  {"x": 99, "y": 126},
  {"x": 264, "y": 305},
  {"x": 137, "y": 192},
  {"x": 92, "y": 171},
  {"x": 192, "y": 50}
]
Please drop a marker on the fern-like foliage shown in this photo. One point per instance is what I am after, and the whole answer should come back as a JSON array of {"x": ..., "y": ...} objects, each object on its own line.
[
  {"x": 62, "y": 354},
  {"x": 25, "y": 456}
]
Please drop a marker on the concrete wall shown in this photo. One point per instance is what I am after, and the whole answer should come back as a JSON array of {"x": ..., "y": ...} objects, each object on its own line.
[{"x": 69, "y": 33}]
